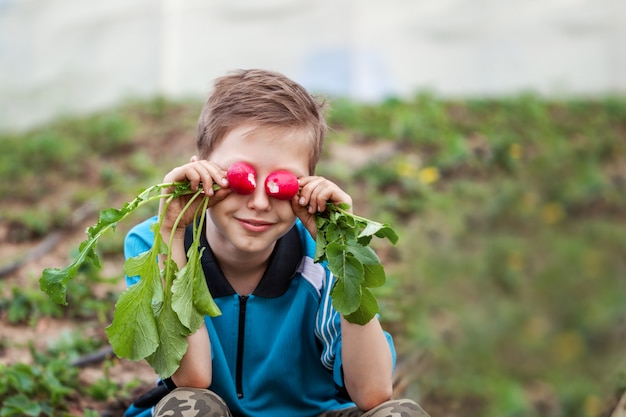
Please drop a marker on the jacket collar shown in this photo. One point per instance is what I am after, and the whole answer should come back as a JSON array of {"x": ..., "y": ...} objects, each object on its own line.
[{"x": 276, "y": 279}]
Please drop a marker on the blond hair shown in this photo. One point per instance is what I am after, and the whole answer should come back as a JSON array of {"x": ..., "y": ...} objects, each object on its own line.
[{"x": 264, "y": 99}]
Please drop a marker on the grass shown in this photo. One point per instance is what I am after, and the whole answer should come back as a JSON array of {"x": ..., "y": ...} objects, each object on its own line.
[{"x": 508, "y": 280}]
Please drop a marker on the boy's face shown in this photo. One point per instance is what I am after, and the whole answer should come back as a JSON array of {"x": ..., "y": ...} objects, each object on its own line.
[{"x": 251, "y": 224}]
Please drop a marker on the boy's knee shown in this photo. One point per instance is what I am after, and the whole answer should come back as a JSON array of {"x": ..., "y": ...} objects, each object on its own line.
[{"x": 192, "y": 402}]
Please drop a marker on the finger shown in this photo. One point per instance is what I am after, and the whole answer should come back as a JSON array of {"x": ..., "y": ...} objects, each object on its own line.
[
  {"x": 308, "y": 193},
  {"x": 209, "y": 173},
  {"x": 320, "y": 194},
  {"x": 183, "y": 173},
  {"x": 218, "y": 174}
]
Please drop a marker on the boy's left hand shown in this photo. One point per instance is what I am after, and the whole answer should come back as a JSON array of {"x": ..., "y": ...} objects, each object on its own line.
[{"x": 315, "y": 192}]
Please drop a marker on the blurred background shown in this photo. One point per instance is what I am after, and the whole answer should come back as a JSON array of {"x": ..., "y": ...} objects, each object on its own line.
[
  {"x": 67, "y": 56},
  {"x": 491, "y": 135}
]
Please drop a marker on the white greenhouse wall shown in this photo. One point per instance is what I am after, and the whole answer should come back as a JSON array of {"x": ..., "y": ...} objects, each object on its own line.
[{"x": 61, "y": 57}]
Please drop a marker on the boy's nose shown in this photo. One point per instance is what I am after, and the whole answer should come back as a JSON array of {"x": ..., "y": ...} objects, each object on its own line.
[{"x": 259, "y": 199}]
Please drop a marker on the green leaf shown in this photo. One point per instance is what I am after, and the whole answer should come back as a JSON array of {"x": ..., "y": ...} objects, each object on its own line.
[
  {"x": 364, "y": 254},
  {"x": 55, "y": 388},
  {"x": 340, "y": 206},
  {"x": 350, "y": 225},
  {"x": 182, "y": 303},
  {"x": 321, "y": 224},
  {"x": 342, "y": 264},
  {"x": 190, "y": 285},
  {"x": 346, "y": 296},
  {"x": 374, "y": 275},
  {"x": 371, "y": 228},
  {"x": 111, "y": 215},
  {"x": 202, "y": 299},
  {"x": 346, "y": 292},
  {"x": 20, "y": 405},
  {"x": 133, "y": 332},
  {"x": 21, "y": 377},
  {"x": 172, "y": 335},
  {"x": 136, "y": 304},
  {"x": 54, "y": 281},
  {"x": 367, "y": 309},
  {"x": 388, "y": 233},
  {"x": 339, "y": 231},
  {"x": 88, "y": 253},
  {"x": 145, "y": 264}
]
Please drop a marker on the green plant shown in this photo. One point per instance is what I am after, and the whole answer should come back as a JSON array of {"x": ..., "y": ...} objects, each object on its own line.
[
  {"x": 37, "y": 389},
  {"x": 104, "y": 388},
  {"x": 45, "y": 386},
  {"x": 27, "y": 305}
]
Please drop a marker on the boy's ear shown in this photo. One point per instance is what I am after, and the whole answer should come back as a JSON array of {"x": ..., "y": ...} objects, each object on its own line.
[{"x": 194, "y": 158}]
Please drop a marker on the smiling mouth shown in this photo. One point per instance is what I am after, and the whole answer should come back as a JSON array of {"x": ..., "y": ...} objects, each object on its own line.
[
  {"x": 255, "y": 225},
  {"x": 256, "y": 222}
]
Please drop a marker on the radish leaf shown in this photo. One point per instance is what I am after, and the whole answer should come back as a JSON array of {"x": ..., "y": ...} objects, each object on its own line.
[
  {"x": 133, "y": 332},
  {"x": 172, "y": 340},
  {"x": 147, "y": 318},
  {"x": 364, "y": 313},
  {"x": 342, "y": 242}
]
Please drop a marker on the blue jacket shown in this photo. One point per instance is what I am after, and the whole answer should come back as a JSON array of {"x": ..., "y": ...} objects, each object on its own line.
[{"x": 277, "y": 351}]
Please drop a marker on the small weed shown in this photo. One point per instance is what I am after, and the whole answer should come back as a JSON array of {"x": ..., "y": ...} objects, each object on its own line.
[
  {"x": 38, "y": 389},
  {"x": 44, "y": 388}
]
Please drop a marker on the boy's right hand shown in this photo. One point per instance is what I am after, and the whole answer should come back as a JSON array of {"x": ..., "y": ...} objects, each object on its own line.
[{"x": 195, "y": 172}]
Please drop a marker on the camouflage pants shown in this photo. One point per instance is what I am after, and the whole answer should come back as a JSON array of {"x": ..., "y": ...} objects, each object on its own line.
[
  {"x": 191, "y": 402},
  {"x": 391, "y": 408},
  {"x": 195, "y": 402}
]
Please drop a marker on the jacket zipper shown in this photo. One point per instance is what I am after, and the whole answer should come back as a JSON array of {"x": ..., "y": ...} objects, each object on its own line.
[{"x": 243, "y": 299}]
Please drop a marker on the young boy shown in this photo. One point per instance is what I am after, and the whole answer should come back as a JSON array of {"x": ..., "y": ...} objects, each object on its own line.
[{"x": 279, "y": 348}]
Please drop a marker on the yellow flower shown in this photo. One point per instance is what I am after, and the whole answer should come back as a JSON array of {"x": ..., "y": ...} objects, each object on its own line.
[
  {"x": 568, "y": 347},
  {"x": 593, "y": 405},
  {"x": 552, "y": 213},
  {"x": 429, "y": 175},
  {"x": 515, "y": 151}
]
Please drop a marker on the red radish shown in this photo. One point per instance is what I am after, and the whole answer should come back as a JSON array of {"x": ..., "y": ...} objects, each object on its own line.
[
  {"x": 282, "y": 185},
  {"x": 241, "y": 178}
]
